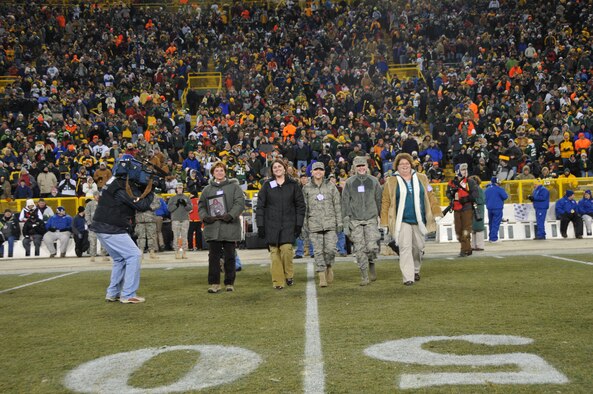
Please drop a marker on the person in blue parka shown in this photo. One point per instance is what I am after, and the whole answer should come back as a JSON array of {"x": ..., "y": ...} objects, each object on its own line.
[
  {"x": 495, "y": 198},
  {"x": 541, "y": 202},
  {"x": 567, "y": 212}
]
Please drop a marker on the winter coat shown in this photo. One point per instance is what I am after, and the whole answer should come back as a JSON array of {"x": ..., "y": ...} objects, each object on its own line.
[
  {"x": 541, "y": 198},
  {"x": 495, "y": 197},
  {"x": 478, "y": 225},
  {"x": 11, "y": 227},
  {"x": 389, "y": 203},
  {"x": 32, "y": 227},
  {"x": 564, "y": 206},
  {"x": 280, "y": 210},
  {"x": 46, "y": 180},
  {"x": 179, "y": 206},
  {"x": 324, "y": 208},
  {"x": 585, "y": 206},
  {"x": 234, "y": 200}
]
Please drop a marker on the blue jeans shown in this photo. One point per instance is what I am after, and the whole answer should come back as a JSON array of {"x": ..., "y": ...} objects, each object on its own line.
[
  {"x": 300, "y": 249},
  {"x": 10, "y": 241},
  {"x": 341, "y": 245},
  {"x": 125, "y": 274}
]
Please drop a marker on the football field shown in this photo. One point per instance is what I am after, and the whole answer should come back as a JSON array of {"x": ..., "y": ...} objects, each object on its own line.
[{"x": 514, "y": 324}]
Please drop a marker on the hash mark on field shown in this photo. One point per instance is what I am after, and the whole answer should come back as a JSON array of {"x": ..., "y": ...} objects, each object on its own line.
[
  {"x": 39, "y": 281},
  {"x": 498, "y": 257},
  {"x": 27, "y": 274},
  {"x": 169, "y": 268},
  {"x": 314, "y": 374},
  {"x": 567, "y": 259},
  {"x": 450, "y": 258}
]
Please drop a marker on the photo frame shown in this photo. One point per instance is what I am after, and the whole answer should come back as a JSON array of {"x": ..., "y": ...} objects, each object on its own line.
[{"x": 217, "y": 205}]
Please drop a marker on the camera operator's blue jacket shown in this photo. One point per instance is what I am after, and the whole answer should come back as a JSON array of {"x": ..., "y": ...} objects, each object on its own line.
[
  {"x": 495, "y": 197},
  {"x": 564, "y": 206}
]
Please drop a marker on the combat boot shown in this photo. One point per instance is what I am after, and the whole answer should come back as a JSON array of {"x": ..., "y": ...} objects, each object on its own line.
[
  {"x": 92, "y": 259},
  {"x": 153, "y": 255},
  {"x": 364, "y": 277},
  {"x": 372, "y": 272},
  {"x": 322, "y": 279},
  {"x": 178, "y": 254},
  {"x": 184, "y": 254},
  {"x": 329, "y": 274}
]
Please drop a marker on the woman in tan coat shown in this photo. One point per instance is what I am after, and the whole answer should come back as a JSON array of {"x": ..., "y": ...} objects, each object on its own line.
[{"x": 408, "y": 210}]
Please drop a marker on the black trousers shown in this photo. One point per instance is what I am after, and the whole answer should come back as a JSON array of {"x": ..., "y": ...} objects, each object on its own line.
[
  {"x": 577, "y": 222},
  {"x": 218, "y": 250},
  {"x": 81, "y": 244},
  {"x": 194, "y": 228}
]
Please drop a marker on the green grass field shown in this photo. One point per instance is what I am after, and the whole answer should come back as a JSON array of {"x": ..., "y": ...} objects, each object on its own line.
[{"x": 51, "y": 328}]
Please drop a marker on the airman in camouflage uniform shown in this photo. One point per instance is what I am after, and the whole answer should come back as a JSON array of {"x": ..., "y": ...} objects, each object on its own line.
[
  {"x": 361, "y": 205},
  {"x": 89, "y": 210},
  {"x": 146, "y": 229},
  {"x": 323, "y": 219}
]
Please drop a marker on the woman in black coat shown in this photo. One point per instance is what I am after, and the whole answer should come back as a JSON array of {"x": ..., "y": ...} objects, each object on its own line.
[{"x": 279, "y": 217}]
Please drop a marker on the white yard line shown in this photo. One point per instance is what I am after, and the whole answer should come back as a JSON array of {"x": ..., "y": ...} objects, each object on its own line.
[
  {"x": 39, "y": 281},
  {"x": 27, "y": 274},
  {"x": 571, "y": 260},
  {"x": 314, "y": 374}
]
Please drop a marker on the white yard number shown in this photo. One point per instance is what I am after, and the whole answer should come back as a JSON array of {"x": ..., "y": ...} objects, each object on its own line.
[
  {"x": 532, "y": 369},
  {"x": 110, "y": 374}
]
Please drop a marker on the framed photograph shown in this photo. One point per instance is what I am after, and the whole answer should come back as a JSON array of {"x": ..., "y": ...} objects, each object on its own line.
[{"x": 216, "y": 205}]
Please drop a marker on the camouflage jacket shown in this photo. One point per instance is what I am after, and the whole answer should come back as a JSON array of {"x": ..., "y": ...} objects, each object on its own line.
[{"x": 324, "y": 209}]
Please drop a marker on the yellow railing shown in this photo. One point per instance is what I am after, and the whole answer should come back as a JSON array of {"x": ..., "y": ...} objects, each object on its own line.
[
  {"x": 518, "y": 191},
  {"x": 202, "y": 82},
  {"x": 403, "y": 71},
  {"x": 5, "y": 81}
]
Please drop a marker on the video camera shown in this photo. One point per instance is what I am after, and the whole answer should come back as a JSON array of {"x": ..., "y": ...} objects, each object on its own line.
[{"x": 141, "y": 173}]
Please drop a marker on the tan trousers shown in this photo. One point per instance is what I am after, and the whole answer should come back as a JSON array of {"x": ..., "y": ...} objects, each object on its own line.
[
  {"x": 411, "y": 245},
  {"x": 282, "y": 267},
  {"x": 159, "y": 232}
]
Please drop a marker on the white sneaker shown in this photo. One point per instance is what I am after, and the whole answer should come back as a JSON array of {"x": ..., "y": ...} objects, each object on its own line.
[{"x": 132, "y": 300}]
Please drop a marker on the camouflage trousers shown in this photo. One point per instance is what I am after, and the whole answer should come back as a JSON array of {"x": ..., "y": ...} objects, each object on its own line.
[
  {"x": 93, "y": 245},
  {"x": 180, "y": 230},
  {"x": 365, "y": 238},
  {"x": 147, "y": 236},
  {"x": 324, "y": 245}
]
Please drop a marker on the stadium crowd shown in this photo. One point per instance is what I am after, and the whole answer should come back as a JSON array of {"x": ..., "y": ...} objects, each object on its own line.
[{"x": 307, "y": 84}]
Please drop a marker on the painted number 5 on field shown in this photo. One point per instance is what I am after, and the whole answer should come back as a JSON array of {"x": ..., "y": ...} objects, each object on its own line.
[{"x": 532, "y": 368}]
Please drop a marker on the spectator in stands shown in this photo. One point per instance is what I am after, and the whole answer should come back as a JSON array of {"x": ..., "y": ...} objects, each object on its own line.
[
  {"x": 67, "y": 186},
  {"x": 478, "y": 226},
  {"x": 435, "y": 173},
  {"x": 495, "y": 196},
  {"x": 222, "y": 227},
  {"x": 101, "y": 176},
  {"x": 89, "y": 187},
  {"x": 585, "y": 209},
  {"x": 180, "y": 206},
  {"x": 567, "y": 212},
  {"x": 11, "y": 231},
  {"x": 5, "y": 188},
  {"x": 462, "y": 192},
  {"x": 22, "y": 191},
  {"x": 59, "y": 228},
  {"x": 46, "y": 180},
  {"x": 280, "y": 216},
  {"x": 541, "y": 202},
  {"x": 44, "y": 211},
  {"x": 28, "y": 210},
  {"x": 33, "y": 231},
  {"x": 525, "y": 174}
]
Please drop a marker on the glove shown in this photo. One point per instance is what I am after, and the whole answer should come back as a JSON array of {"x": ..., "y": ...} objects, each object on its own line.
[
  {"x": 297, "y": 231},
  {"x": 209, "y": 219},
  {"x": 52, "y": 229},
  {"x": 261, "y": 232},
  {"x": 26, "y": 237},
  {"x": 530, "y": 198},
  {"x": 227, "y": 218},
  {"x": 182, "y": 202},
  {"x": 339, "y": 229}
]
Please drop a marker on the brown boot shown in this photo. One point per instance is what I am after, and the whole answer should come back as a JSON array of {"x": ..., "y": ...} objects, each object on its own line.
[
  {"x": 329, "y": 274},
  {"x": 153, "y": 255},
  {"x": 372, "y": 272},
  {"x": 322, "y": 279}
]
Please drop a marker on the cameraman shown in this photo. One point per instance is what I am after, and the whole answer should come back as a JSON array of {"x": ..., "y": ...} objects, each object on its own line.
[
  {"x": 462, "y": 192},
  {"x": 112, "y": 224}
]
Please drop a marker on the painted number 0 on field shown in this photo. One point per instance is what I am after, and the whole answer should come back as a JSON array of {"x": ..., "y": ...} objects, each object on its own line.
[
  {"x": 110, "y": 374},
  {"x": 532, "y": 369}
]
